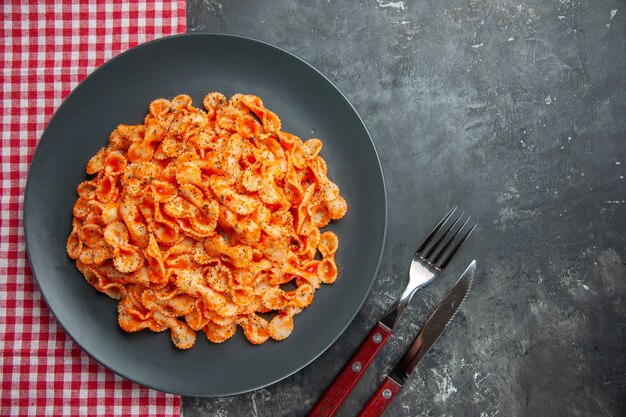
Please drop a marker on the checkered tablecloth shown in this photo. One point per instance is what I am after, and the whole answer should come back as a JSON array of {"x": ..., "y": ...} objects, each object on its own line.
[{"x": 46, "y": 49}]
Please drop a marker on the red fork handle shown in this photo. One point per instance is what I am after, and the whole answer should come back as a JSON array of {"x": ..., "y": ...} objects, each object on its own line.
[
  {"x": 381, "y": 399},
  {"x": 339, "y": 390}
]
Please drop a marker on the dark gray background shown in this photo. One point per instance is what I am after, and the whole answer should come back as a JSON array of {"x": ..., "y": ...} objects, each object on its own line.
[{"x": 515, "y": 111}]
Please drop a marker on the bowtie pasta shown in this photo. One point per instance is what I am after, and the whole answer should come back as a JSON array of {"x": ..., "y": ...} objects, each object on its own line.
[{"x": 201, "y": 220}]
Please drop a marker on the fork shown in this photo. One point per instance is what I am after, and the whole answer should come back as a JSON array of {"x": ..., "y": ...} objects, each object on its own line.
[{"x": 427, "y": 263}]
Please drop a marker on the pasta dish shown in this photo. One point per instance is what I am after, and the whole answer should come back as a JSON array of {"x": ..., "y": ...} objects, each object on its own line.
[{"x": 207, "y": 220}]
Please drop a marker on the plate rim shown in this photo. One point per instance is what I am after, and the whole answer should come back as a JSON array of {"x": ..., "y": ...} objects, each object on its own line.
[{"x": 102, "y": 67}]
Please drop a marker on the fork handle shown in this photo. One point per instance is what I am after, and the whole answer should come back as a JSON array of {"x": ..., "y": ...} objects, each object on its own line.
[{"x": 338, "y": 391}]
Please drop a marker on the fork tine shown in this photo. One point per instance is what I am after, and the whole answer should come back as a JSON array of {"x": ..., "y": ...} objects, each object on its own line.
[
  {"x": 443, "y": 235},
  {"x": 445, "y": 247},
  {"x": 446, "y": 261},
  {"x": 434, "y": 231}
]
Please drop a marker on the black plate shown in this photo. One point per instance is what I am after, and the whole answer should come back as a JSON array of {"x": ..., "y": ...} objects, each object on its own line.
[{"x": 119, "y": 92}]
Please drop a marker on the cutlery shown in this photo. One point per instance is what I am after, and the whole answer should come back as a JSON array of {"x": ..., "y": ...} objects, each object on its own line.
[
  {"x": 433, "y": 327},
  {"x": 427, "y": 263}
]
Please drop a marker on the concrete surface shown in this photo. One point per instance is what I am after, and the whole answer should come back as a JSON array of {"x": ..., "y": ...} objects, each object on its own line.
[{"x": 515, "y": 111}]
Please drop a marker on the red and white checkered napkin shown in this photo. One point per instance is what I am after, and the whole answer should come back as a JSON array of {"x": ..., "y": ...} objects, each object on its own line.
[{"x": 46, "y": 49}]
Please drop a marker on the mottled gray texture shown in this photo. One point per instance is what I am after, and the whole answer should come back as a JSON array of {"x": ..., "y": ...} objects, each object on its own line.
[{"x": 515, "y": 111}]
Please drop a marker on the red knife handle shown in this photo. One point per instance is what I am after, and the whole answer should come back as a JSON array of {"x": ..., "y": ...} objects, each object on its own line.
[
  {"x": 379, "y": 402},
  {"x": 339, "y": 390}
]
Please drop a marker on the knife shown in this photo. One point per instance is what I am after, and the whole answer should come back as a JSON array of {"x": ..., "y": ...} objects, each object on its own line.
[{"x": 431, "y": 330}]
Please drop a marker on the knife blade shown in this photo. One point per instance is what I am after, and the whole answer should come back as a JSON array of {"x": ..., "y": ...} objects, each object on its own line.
[{"x": 433, "y": 328}]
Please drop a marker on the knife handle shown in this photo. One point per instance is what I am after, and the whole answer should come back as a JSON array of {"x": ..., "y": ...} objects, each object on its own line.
[
  {"x": 339, "y": 390},
  {"x": 381, "y": 399}
]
